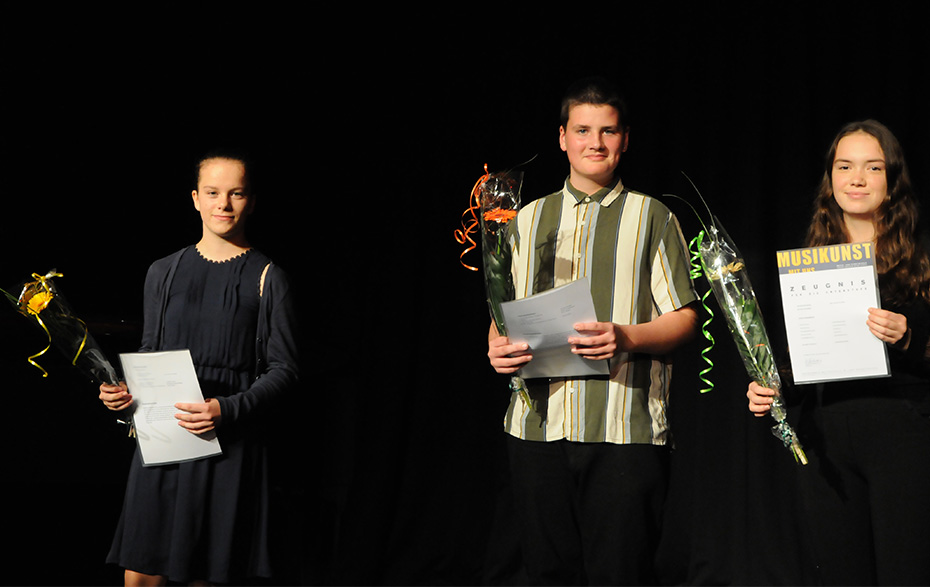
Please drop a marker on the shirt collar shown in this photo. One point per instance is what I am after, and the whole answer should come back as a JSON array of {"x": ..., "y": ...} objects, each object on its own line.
[{"x": 604, "y": 196}]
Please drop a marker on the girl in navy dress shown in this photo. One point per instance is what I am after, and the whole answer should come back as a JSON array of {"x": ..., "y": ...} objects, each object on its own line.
[{"x": 208, "y": 520}]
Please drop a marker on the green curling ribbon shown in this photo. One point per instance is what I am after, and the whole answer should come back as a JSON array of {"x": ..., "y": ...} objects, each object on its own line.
[{"x": 696, "y": 271}]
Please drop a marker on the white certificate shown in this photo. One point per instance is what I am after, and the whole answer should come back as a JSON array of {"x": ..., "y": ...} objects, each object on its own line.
[
  {"x": 826, "y": 293},
  {"x": 544, "y": 322},
  {"x": 157, "y": 381}
]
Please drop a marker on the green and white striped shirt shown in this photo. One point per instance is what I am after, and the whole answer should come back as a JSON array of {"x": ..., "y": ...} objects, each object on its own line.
[{"x": 631, "y": 249}]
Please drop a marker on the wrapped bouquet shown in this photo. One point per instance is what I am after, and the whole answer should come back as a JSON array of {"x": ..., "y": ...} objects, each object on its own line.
[
  {"x": 40, "y": 301},
  {"x": 493, "y": 204},
  {"x": 725, "y": 270}
]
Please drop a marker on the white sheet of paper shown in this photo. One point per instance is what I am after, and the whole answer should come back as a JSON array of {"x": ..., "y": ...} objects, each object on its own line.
[
  {"x": 545, "y": 321},
  {"x": 157, "y": 381},
  {"x": 826, "y": 293}
]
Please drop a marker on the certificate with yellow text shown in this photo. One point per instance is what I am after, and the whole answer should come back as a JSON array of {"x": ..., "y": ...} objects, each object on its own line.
[{"x": 826, "y": 293}]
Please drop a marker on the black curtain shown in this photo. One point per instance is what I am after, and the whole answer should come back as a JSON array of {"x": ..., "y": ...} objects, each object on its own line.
[{"x": 392, "y": 467}]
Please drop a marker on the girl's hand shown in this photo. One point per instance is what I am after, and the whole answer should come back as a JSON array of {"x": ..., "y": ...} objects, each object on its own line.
[
  {"x": 887, "y": 326},
  {"x": 199, "y": 418},
  {"x": 115, "y": 397},
  {"x": 760, "y": 399}
]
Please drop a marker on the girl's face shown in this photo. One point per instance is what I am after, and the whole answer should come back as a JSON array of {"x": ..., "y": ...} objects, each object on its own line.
[
  {"x": 859, "y": 181},
  {"x": 223, "y": 199}
]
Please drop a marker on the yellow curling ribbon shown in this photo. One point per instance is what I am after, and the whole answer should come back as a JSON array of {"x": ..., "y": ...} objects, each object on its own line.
[
  {"x": 697, "y": 270},
  {"x": 43, "y": 351},
  {"x": 44, "y": 294},
  {"x": 34, "y": 305},
  {"x": 41, "y": 297},
  {"x": 83, "y": 341}
]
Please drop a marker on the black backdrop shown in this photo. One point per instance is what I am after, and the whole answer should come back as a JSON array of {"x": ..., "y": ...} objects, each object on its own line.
[{"x": 371, "y": 135}]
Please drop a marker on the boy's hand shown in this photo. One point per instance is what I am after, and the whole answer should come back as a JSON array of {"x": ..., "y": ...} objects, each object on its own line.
[
  {"x": 507, "y": 358},
  {"x": 598, "y": 341},
  {"x": 659, "y": 336}
]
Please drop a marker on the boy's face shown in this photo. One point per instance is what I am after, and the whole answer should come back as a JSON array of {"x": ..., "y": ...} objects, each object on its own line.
[{"x": 593, "y": 140}]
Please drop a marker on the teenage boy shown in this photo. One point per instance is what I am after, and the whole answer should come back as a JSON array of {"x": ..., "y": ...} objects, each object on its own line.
[{"x": 589, "y": 459}]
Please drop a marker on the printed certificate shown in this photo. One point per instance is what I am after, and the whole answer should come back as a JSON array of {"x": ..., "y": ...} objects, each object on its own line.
[
  {"x": 545, "y": 321},
  {"x": 157, "y": 381},
  {"x": 826, "y": 293}
]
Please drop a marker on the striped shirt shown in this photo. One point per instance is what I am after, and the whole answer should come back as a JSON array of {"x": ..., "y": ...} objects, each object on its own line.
[{"x": 631, "y": 249}]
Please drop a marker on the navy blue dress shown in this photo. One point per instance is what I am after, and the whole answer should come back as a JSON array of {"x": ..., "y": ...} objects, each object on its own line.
[{"x": 209, "y": 519}]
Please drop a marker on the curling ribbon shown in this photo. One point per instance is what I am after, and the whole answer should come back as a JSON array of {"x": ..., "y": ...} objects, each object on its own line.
[
  {"x": 43, "y": 351},
  {"x": 41, "y": 280},
  {"x": 696, "y": 271},
  {"x": 463, "y": 235},
  {"x": 83, "y": 342},
  {"x": 41, "y": 283}
]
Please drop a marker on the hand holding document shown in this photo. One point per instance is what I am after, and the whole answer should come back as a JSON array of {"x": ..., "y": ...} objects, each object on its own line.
[
  {"x": 826, "y": 293},
  {"x": 544, "y": 322},
  {"x": 157, "y": 382}
]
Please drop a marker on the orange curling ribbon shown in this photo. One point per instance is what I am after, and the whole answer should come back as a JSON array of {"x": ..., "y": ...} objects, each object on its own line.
[{"x": 463, "y": 235}]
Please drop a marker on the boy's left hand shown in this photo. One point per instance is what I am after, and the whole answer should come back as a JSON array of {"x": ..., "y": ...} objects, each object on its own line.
[
  {"x": 659, "y": 336},
  {"x": 598, "y": 340}
]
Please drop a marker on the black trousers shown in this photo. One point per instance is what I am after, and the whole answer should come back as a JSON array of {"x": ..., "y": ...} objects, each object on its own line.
[
  {"x": 589, "y": 513},
  {"x": 866, "y": 491}
]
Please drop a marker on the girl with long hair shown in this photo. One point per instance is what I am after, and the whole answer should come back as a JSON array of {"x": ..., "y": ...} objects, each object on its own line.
[{"x": 866, "y": 490}]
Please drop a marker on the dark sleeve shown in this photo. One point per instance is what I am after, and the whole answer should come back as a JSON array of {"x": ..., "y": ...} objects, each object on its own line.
[
  {"x": 918, "y": 320},
  {"x": 153, "y": 299},
  {"x": 277, "y": 353},
  {"x": 914, "y": 359}
]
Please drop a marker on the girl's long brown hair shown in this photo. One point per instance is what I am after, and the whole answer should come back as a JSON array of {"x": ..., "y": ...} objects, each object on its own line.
[{"x": 900, "y": 258}]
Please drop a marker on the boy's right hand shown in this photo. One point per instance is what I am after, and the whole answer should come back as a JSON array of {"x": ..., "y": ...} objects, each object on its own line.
[
  {"x": 115, "y": 397},
  {"x": 760, "y": 399},
  {"x": 500, "y": 353}
]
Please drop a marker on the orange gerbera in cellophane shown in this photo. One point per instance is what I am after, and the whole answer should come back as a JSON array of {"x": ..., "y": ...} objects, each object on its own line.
[
  {"x": 499, "y": 197},
  {"x": 41, "y": 302},
  {"x": 495, "y": 200}
]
